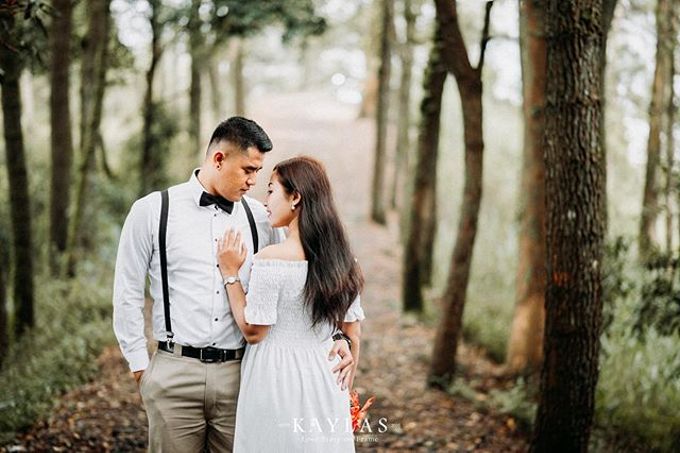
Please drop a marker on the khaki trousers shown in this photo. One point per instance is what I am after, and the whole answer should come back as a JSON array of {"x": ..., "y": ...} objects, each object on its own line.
[{"x": 191, "y": 405}]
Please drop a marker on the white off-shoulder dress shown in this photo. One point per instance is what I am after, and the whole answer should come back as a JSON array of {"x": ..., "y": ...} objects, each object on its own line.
[{"x": 289, "y": 400}]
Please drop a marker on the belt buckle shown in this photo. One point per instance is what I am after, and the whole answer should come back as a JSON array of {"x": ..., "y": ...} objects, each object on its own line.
[{"x": 207, "y": 360}]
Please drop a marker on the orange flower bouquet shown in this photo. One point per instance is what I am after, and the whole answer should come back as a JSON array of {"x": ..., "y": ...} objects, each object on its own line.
[{"x": 357, "y": 412}]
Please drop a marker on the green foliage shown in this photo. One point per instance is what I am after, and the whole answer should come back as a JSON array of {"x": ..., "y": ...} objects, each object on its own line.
[
  {"x": 660, "y": 298},
  {"x": 226, "y": 18},
  {"x": 486, "y": 322},
  {"x": 165, "y": 129},
  {"x": 518, "y": 401},
  {"x": 73, "y": 324},
  {"x": 638, "y": 392},
  {"x": 22, "y": 30},
  {"x": 616, "y": 281}
]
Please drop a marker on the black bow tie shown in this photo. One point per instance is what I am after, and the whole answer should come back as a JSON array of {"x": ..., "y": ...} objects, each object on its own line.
[{"x": 224, "y": 204}]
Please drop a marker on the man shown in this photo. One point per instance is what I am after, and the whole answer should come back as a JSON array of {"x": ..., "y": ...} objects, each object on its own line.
[{"x": 190, "y": 386}]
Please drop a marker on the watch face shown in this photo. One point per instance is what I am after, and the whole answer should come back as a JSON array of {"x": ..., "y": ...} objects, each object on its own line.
[{"x": 231, "y": 280}]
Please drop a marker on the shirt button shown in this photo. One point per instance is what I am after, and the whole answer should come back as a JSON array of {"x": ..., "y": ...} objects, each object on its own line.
[
  {"x": 217, "y": 292},
  {"x": 215, "y": 319},
  {"x": 217, "y": 265},
  {"x": 213, "y": 344}
]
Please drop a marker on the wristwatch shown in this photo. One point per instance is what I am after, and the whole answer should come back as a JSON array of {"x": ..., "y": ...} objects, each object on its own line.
[
  {"x": 230, "y": 280},
  {"x": 342, "y": 336}
]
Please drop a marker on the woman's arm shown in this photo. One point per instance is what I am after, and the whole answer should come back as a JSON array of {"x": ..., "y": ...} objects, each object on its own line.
[
  {"x": 353, "y": 331},
  {"x": 231, "y": 255}
]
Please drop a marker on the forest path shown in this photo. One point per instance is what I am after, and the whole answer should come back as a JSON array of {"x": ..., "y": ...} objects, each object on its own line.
[{"x": 106, "y": 414}]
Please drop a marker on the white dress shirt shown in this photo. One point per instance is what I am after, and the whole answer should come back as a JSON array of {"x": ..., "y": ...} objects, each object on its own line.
[{"x": 199, "y": 309}]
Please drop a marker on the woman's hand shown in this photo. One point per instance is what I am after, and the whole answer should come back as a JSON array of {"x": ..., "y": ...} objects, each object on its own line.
[{"x": 231, "y": 253}]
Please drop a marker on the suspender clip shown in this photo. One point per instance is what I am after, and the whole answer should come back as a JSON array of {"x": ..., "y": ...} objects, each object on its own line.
[{"x": 169, "y": 342}]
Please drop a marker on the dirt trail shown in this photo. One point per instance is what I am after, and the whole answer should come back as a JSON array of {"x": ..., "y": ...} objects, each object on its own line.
[{"x": 106, "y": 415}]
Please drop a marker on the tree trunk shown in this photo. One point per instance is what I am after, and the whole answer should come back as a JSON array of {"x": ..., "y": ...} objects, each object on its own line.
[
  {"x": 525, "y": 346},
  {"x": 104, "y": 160},
  {"x": 4, "y": 324},
  {"x": 404, "y": 121},
  {"x": 647, "y": 241},
  {"x": 608, "y": 8},
  {"x": 237, "y": 77},
  {"x": 575, "y": 177},
  {"x": 60, "y": 119},
  {"x": 423, "y": 195},
  {"x": 19, "y": 199},
  {"x": 670, "y": 120},
  {"x": 369, "y": 98},
  {"x": 670, "y": 165},
  {"x": 197, "y": 63},
  {"x": 151, "y": 155},
  {"x": 93, "y": 78},
  {"x": 378, "y": 195},
  {"x": 215, "y": 89},
  {"x": 469, "y": 82}
]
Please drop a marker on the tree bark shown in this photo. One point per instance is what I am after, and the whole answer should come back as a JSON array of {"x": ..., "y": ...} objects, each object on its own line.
[
  {"x": 468, "y": 78},
  {"x": 4, "y": 324},
  {"x": 378, "y": 195},
  {"x": 525, "y": 346},
  {"x": 404, "y": 120},
  {"x": 60, "y": 119},
  {"x": 93, "y": 84},
  {"x": 19, "y": 198},
  {"x": 647, "y": 241},
  {"x": 197, "y": 64},
  {"x": 104, "y": 160},
  {"x": 237, "y": 78},
  {"x": 423, "y": 195},
  {"x": 670, "y": 164},
  {"x": 670, "y": 122},
  {"x": 215, "y": 89},
  {"x": 575, "y": 177},
  {"x": 608, "y": 8},
  {"x": 151, "y": 155}
]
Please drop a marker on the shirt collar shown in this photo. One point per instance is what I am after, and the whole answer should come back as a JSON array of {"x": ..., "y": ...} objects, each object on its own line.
[
  {"x": 196, "y": 187},
  {"x": 197, "y": 190}
]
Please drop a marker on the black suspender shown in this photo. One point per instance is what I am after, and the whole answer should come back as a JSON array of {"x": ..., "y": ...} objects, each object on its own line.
[
  {"x": 251, "y": 221},
  {"x": 162, "y": 234}
]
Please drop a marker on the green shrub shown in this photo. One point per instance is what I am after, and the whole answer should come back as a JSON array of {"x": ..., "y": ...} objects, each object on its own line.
[
  {"x": 660, "y": 296},
  {"x": 486, "y": 322},
  {"x": 518, "y": 401},
  {"x": 73, "y": 324},
  {"x": 638, "y": 391}
]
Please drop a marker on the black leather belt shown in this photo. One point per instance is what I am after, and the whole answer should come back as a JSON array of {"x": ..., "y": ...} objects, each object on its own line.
[{"x": 207, "y": 355}]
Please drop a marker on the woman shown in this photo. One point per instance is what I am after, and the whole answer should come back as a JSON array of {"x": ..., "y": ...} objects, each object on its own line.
[{"x": 300, "y": 291}]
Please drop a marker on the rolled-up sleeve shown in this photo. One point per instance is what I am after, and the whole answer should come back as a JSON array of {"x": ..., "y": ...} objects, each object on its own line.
[{"x": 132, "y": 264}]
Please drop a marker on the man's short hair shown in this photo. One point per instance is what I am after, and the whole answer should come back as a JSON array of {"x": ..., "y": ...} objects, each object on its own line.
[{"x": 241, "y": 132}]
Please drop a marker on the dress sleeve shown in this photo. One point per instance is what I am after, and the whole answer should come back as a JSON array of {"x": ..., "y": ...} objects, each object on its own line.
[
  {"x": 263, "y": 295},
  {"x": 355, "y": 312}
]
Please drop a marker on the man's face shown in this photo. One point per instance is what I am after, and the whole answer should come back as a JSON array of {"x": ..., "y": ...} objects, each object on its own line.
[{"x": 238, "y": 171}]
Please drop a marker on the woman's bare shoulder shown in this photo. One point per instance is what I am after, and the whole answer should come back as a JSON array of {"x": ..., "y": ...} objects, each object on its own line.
[{"x": 281, "y": 251}]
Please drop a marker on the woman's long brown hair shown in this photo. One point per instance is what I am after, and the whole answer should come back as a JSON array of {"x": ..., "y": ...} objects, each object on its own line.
[{"x": 334, "y": 278}]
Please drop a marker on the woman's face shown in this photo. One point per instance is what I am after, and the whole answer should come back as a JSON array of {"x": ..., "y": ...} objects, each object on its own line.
[{"x": 279, "y": 203}]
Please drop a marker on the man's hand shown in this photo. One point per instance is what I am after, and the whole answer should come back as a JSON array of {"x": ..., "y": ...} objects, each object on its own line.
[
  {"x": 344, "y": 368},
  {"x": 138, "y": 376}
]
